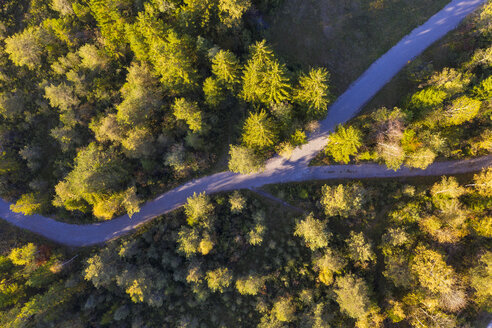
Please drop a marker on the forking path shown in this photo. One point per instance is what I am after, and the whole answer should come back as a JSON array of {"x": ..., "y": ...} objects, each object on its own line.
[{"x": 278, "y": 169}]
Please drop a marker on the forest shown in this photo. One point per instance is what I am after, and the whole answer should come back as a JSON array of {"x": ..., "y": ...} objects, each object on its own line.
[
  {"x": 106, "y": 103},
  {"x": 416, "y": 255}
]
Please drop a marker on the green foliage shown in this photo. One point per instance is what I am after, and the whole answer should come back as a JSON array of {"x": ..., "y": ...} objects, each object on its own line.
[
  {"x": 27, "y": 47},
  {"x": 64, "y": 7},
  {"x": 284, "y": 309},
  {"x": 428, "y": 98},
  {"x": 360, "y": 250},
  {"x": 250, "y": 285},
  {"x": 23, "y": 255},
  {"x": 343, "y": 201},
  {"x": 265, "y": 79},
  {"x": 198, "y": 209},
  {"x": 225, "y": 66},
  {"x": 450, "y": 80},
  {"x": 327, "y": 264},
  {"x": 447, "y": 188},
  {"x": 255, "y": 235},
  {"x": 219, "y": 279},
  {"x": 189, "y": 112},
  {"x": 483, "y": 182},
  {"x": 313, "y": 231},
  {"x": 259, "y": 131},
  {"x": 243, "y": 160},
  {"x": 188, "y": 241},
  {"x": 96, "y": 174},
  {"x": 343, "y": 143},
  {"x": 481, "y": 280},
  {"x": 214, "y": 92},
  {"x": 483, "y": 91},
  {"x": 174, "y": 61},
  {"x": 141, "y": 96},
  {"x": 231, "y": 11},
  {"x": 27, "y": 204},
  {"x": 352, "y": 295},
  {"x": 432, "y": 271},
  {"x": 313, "y": 92},
  {"x": 237, "y": 201},
  {"x": 462, "y": 110}
]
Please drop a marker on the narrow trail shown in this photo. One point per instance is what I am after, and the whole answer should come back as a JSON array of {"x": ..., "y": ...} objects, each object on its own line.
[{"x": 279, "y": 170}]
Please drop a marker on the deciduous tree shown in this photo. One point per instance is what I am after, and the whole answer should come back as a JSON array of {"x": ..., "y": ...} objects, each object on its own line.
[
  {"x": 313, "y": 232},
  {"x": 343, "y": 200}
]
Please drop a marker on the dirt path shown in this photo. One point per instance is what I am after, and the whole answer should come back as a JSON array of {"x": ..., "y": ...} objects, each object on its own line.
[
  {"x": 279, "y": 170},
  {"x": 85, "y": 235}
]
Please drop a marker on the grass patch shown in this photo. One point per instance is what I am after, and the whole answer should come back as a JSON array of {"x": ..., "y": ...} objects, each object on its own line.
[
  {"x": 344, "y": 36},
  {"x": 454, "y": 49}
]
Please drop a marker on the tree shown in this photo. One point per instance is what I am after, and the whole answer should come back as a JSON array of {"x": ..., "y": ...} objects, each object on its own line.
[
  {"x": 61, "y": 96},
  {"x": 27, "y": 204},
  {"x": 397, "y": 268},
  {"x": 352, "y": 295},
  {"x": 395, "y": 237},
  {"x": 343, "y": 200},
  {"x": 213, "y": 91},
  {"x": 481, "y": 280},
  {"x": 313, "y": 92},
  {"x": 389, "y": 146},
  {"x": 92, "y": 57},
  {"x": 244, "y": 160},
  {"x": 108, "y": 129},
  {"x": 284, "y": 309},
  {"x": 25, "y": 255},
  {"x": 225, "y": 66},
  {"x": 342, "y": 144},
  {"x": 250, "y": 285},
  {"x": 313, "y": 232},
  {"x": 431, "y": 271},
  {"x": 174, "y": 60},
  {"x": 450, "y": 80},
  {"x": 462, "y": 110},
  {"x": 231, "y": 11},
  {"x": 327, "y": 264},
  {"x": 427, "y": 98},
  {"x": 255, "y": 235},
  {"x": 198, "y": 209},
  {"x": 237, "y": 202},
  {"x": 483, "y": 182},
  {"x": 138, "y": 143},
  {"x": 110, "y": 17},
  {"x": 97, "y": 179},
  {"x": 12, "y": 105},
  {"x": 189, "y": 112},
  {"x": 107, "y": 207},
  {"x": 359, "y": 249},
  {"x": 483, "y": 91},
  {"x": 141, "y": 96},
  {"x": 276, "y": 84},
  {"x": 421, "y": 158},
  {"x": 447, "y": 188},
  {"x": 206, "y": 244},
  {"x": 484, "y": 22},
  {"x": 188, "y": 241},
  {"x": 219, "y": 279},
  {"x": 259, "y": 131},
  {"x": 27, "y": 47},
  {"x": 264, "y": 79},
  {"x": 64, "y": 7}
]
